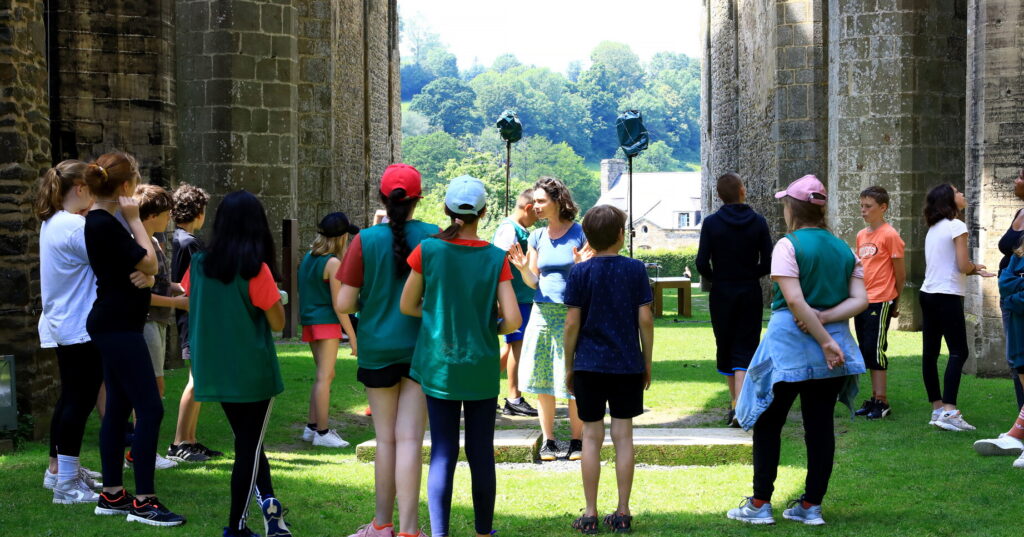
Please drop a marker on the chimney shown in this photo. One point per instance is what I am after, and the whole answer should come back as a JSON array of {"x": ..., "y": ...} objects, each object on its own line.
[{"x": 611, "y": 171}]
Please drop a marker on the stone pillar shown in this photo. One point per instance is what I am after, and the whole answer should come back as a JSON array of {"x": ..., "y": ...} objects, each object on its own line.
[
  {"x": 995, "y": 154},
  {"x": 611, "y": 170},
  {"x": 896, "y": 109},
  {"x": 237, "y": 67},
  {"x": 24, "y": 156},
  {"x": 764, "y": 81},
  {"x": 115, "y": 88}
]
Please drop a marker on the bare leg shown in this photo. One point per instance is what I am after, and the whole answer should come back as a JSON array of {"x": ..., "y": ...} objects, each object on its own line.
[
  {"x": 101, "y": 401},
  {"x": 385, "y": 410},
  {"x": 409, "y": 429},
  {"x": 325, "y": 354},
  {"x": 546, "y": 414},
  {"x": 185, "y": 430},
  {"x": 622, "y": 437},
  {"x": 515, "y": 348},
  {"x": 575, "y": 423},
  {"x": 505, "y": 350},
  {"x": 593, "y": 438},
  {"x": 160, "y": 385},
  {"x": 878, "y": 385},
  {"x": 733, "y": 392},
  {"x": 737, "y": 380},
  {"x": 193, "y": 423}
]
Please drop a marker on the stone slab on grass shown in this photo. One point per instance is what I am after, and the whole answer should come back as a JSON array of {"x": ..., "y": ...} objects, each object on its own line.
[
  {"x": 510, "y": 445},
  {"x": 687, "y": 446}
]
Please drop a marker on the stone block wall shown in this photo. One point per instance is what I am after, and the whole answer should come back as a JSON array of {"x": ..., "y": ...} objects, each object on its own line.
[
  {"x": 114, "y": 82},
  {"x": 994, "y": 155},
  {"x": 24, "y": 156},
  {"x": 896, "y": 110}
]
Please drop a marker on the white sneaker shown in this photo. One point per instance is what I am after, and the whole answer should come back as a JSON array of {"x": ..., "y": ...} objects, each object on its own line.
[
  {"x": 307, "y": 434},
  {"x": 163, "y": 463},
  {"x": 49, "y": 480},
  {"x": 1019, "y": 463},
  {"x": 1003, "y": 445},
  {"x": 935, "y": 416},
  {"x": 91, "y": 474},
  {"x": 952, "y": 420},
  {"x": 87, "y": 476},
  {"x": 330, "y": 439},
  {"x": 74, "y": 491}
]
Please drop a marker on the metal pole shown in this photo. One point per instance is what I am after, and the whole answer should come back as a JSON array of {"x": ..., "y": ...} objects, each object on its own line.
[
  {"x": 508, "y": 172},
  {"x": 629, "y": 201}
]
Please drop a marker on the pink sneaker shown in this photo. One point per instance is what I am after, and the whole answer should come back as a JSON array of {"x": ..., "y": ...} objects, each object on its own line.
[
  {"x": 419, "y": 533},
  {"x": 371, "y": 530}
]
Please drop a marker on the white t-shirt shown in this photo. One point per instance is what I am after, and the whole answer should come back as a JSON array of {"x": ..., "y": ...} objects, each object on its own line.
[
  {"x": 505, "y": 236},
  {"x": 66, "y": 280},
  {"x": 941, "y": 273}
]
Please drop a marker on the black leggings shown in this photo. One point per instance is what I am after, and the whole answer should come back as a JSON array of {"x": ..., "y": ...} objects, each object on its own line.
[
  {"x": 251, "y": 471},
  {"x": 128, "y": 374},
  {"x": 817, "y": 404},
  {"x": 81, "y": 374},
  {"x": 444, "y": 454},
  {"x": 942, "y": 316}
]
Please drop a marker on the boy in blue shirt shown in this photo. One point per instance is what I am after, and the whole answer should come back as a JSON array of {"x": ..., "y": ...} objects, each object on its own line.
[{"x": 609, "y": 332}]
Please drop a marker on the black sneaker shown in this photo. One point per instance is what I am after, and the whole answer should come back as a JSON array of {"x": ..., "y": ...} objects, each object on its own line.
[
  {"x": 114, "y": 504},
  {"x": 185, "y": 453},
  {"x": 244, "y": 532},
  {"x": 522, "y": 408},
  {"x": 151, "y": 511},
  {"x": 211, "y": 453},
  {"x": 730, "y": 416},
  {"x": 549, "y": 450},
  {"x": 575, "y": 450},
  {"x": 879, "y": 411},
  {"x": 866, "y": 408}
]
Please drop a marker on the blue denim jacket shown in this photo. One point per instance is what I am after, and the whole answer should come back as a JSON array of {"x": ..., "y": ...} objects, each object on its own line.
[
  {"x": 786, "y": 354},
  {"x": 1011, "y": 299}
]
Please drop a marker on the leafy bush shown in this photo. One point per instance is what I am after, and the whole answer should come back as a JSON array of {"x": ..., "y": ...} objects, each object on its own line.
[{"x": 673, "y": 262}]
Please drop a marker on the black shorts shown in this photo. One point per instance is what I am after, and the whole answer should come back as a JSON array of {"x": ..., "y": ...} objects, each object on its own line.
[
  {"x": 624, "y": 395},
  {"x": 872, "y": 327},
  {"x": 384, "y": 377}
]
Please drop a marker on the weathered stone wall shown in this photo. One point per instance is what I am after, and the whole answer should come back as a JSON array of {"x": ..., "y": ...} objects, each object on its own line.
[
  {"x": 24, "y": 156},
  {"x": 896, "y": 101},
  {"x": 995, "y": 153},
  {"x": 115, "y": 88}
]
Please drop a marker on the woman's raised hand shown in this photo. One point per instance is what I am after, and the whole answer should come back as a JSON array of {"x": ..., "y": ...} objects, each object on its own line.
[
  {"x": 586, "y": 253},
  {"x": 517, "y": 257}
]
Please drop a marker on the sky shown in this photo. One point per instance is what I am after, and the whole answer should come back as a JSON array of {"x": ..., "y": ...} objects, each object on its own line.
[{"x": 552, "y": 33}]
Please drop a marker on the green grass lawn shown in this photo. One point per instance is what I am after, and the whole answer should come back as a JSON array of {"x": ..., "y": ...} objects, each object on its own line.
[{"x": 894, "y": 477}]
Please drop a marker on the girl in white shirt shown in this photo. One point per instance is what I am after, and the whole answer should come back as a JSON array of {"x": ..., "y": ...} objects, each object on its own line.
[
  {"x": 68, "y": 288},
  {"x": 947, "y": 264}
]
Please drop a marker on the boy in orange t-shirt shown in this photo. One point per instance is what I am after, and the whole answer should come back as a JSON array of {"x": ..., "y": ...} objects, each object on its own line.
[{"x": 880, "y": 250}]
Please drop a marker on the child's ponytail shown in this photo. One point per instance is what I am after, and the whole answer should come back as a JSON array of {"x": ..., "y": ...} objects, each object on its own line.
[
  {"x": 399, "y": 207},
  {"x": 458, "y": 220},
  {"x": 55, "y": 184}
]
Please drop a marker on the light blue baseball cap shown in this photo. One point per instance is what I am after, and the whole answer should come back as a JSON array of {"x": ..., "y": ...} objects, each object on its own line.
[{"x": 465, "y": 195}]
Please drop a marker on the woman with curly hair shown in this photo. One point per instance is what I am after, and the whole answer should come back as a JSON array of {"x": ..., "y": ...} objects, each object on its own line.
[{"x": 552, "y": 252}]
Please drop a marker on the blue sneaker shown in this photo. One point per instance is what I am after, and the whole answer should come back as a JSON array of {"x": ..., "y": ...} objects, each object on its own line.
[
  {"x": 244, "y": 532},
  {"x": 273, "y": 517},
  {"x": 810, "y": 516},
  {"x": 746, "y": 512}
]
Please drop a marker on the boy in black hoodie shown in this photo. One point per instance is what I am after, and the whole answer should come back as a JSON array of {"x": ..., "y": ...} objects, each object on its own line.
[{"x": 735, "y": 252}]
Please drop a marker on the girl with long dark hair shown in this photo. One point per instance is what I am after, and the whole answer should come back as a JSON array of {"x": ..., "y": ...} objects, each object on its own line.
[{"x": 234, "y": 305}]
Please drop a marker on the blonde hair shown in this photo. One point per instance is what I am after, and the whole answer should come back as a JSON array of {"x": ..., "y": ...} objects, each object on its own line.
[
  {"x": 329, "y": 245},
  {"x": 55, "y": 184},
  {"x": 1019, "y": 251}
]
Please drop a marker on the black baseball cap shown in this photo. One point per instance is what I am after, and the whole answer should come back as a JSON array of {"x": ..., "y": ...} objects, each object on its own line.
[{"x": 336, "y": 225}]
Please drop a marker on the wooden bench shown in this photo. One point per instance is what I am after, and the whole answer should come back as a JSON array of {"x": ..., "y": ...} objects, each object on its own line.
[{"x": 682, "y": 284}]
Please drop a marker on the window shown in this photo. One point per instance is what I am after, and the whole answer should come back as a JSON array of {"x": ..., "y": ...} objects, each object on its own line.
[{"x": 684, "y": 220}]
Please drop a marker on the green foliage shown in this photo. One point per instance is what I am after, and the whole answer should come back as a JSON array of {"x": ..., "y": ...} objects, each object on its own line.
[
  {"x": 448, "y": 104},
  {"x": 657, "y": 158},
  {"x": 538, "y": 157},
  {"x": 430, "y": 153},
  {"x": 414, "y": 78},
  {"x": 673, "y": 262},
  {"x": 505, "y": 62},
  {"x": 415, "y": 124},
  {"x": 441, "y": 63}
]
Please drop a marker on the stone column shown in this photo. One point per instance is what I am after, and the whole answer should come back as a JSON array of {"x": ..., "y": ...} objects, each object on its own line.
[
  {"x": 995, "y": 154},
  {"x": 24, "y": 156},
  {"x": 896, "y": 115},
  {"x": 237, "y": 67}
]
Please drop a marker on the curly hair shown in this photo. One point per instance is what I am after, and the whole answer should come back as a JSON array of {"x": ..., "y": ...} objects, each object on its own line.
[
  {"x": 189, "y": 202},
  {"x": 560, "y": 194}
]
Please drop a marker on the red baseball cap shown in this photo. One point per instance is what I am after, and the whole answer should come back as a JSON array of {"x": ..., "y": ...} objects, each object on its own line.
[{"x": 401, "y": 176}]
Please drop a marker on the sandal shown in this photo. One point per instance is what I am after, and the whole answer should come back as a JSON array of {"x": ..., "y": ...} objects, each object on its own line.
[
  {"x": 586, "y": 525},
  {"x": 619, "y": 523}
]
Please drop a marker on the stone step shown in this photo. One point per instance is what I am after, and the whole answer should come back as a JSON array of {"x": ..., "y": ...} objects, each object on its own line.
[
  {"x": 510, "y": 445},
  {"x": 660, "y": 446}
]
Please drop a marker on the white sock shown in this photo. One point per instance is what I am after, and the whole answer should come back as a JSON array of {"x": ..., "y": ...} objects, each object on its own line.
[
  {"x": 67, "y": 468},
  {"x": 516, "y": 401}
]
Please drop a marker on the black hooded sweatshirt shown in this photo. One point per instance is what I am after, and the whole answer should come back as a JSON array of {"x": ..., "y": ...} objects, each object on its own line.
[{"x": 735, "y": 245}]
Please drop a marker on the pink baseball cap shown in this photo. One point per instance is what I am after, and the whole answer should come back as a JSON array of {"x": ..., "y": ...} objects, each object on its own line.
[
  {"x": 807, "y": 188},
  {"x": 401, "y": 176}
]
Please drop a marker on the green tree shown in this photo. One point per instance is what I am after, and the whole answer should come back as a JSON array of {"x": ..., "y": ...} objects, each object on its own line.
[
  {"x": 657, "y": 158},
  {"x": 448, "y": 104},
  {"x": 623, "y": 65},
  {"x": 537, "y": 157},
  {"x": 414, "y": 77},
  {"x": 430, "y": 153},
  {"x": 415, "y": 124},
  {"x": 441, "y": 63},
  {"x": 417, "y": 35},
  {"x": 505, "y": 62},
  {"x": 603, "y": 107}
]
